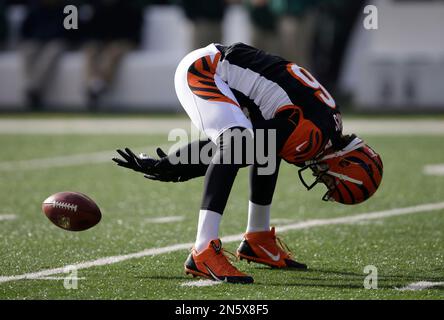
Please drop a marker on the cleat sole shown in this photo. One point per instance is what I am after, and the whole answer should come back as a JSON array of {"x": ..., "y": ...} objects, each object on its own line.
[
  {"x": 272, "y": 265},
  {"x": 256, "y": 260},
  {"x": 197, "y": 274},
  {"x": 207, "y": 276}
]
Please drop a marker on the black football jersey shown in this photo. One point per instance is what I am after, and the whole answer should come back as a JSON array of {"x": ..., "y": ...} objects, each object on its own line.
[{"x": 264, "y": 83}]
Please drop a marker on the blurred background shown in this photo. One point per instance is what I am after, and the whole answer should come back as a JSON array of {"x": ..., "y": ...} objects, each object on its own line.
[
  {"x": 70, "y": 98},
  {"x": 124, "y": 53}
]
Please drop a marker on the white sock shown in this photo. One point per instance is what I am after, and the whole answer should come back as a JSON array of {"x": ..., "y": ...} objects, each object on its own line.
[
  {"x": 207, "y": 228},
  {"x": 258, "y": 217}
]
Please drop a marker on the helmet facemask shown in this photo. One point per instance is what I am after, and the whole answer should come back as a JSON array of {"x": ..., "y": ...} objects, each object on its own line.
[
  {"x": 324, "y": 174},
  {"x": 320, "y": 171}
]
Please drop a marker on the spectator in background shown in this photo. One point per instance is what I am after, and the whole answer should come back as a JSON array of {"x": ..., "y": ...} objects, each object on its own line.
[
  {"x": 113, "y": 30},
  {"x": 206, "y": 17},
  {"x": 331, "y": 37},
  {"x": 295, "y": 27},
  {"x": 283, "y": 27},
  {"x": 3, "y": 25},
  {"x": 312, "y": 33},
  {"x": 264, "y": 25},
  {"x": 44, "y": 42}
]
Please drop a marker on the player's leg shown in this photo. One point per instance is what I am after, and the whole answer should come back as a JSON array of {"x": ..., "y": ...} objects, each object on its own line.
[
  {"x": 261, "y": 195},
  {"x": 260, "y": 243},
  {"x": 219, "y": 180},
  {"x": 212, "y": 108}
]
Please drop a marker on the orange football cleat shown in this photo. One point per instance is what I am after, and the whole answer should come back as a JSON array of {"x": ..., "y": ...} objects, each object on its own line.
[
  {"x": 265, "y": 248},
  {"x": 212, "y": 263}
]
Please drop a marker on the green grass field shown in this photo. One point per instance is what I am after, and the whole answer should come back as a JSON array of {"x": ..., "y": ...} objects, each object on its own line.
[{"x": 405, "y": 249}]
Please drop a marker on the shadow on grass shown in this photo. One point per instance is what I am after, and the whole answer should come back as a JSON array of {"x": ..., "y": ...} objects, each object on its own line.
[
  {"x": 163, "y": 277},
  {"x": 326, "y": 278},
  {"x": 320, "y": 284}
]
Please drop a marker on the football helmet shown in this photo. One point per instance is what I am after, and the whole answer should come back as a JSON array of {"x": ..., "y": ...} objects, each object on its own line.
[{"x": 352, "y": 174}]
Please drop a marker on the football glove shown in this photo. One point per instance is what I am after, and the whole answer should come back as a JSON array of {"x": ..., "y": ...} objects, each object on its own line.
[{"x": 155, "y": 169}]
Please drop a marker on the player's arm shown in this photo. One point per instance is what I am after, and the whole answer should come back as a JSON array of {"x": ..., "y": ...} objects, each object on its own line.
[{"x": 167, "y": 167}]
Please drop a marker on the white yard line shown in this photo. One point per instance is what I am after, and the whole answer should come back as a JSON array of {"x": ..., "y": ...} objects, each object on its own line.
[
  {"x": 4, "y": 217},
  {"x": 92, "y": 126},
  {"x": 421, "y": 285},
  {"x": 98, "y": 262},
  {"x": 281, "y": 221},
  {"x": 200, "y": 283},
  {"x": 165, "y": 125},
  {"x": 434, "y": 169},
  {"x": 60, "y": 161},
  {"x": 364, "y": 216},
  {"x": 165, "y": 219},
  {"x": 233, "y": 238},
  {"x": 57, "y": 278},
  {"x": 378, "y": 127},
  {"x": 70, "y": 160}
]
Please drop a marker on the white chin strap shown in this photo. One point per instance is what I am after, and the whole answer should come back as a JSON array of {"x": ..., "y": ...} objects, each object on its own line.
[
  {"x": 344, "y": 177},
  {"x": 356, "y": 143}
]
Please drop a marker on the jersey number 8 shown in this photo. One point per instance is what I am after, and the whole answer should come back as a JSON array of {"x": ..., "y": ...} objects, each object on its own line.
[{"x": 309, "y": 81}]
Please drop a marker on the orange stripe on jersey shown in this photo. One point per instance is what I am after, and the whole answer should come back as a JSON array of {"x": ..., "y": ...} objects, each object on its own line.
[{"x": 200, "y": 79}]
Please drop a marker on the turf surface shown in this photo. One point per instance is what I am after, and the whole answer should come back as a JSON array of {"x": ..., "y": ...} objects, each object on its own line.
[{"x": 405, "y": 249}]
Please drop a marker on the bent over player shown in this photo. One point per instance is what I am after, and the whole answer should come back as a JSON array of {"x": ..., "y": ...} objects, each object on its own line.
[{"x": 215, "y": 85}]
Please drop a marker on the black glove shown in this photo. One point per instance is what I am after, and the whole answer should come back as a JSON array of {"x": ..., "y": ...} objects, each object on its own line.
[
  {"x": 136, "y": 163},
  {"x": 155, "y": 169}
]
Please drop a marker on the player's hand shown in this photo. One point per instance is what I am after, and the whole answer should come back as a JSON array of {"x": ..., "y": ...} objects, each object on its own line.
[
  {"x": 155, "y": 169},
  {"x": 139, "y": 163},
  {"x": 164, "y": 170}
]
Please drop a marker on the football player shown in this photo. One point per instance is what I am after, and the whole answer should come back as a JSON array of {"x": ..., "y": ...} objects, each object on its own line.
[{"x": 215, "y": 85}]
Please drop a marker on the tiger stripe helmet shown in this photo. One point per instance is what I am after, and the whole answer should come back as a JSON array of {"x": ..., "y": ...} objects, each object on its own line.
[{"x": 352, "y": 175}]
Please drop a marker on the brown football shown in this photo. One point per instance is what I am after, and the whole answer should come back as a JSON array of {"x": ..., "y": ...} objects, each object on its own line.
[{"x": 71, "y": 211}]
